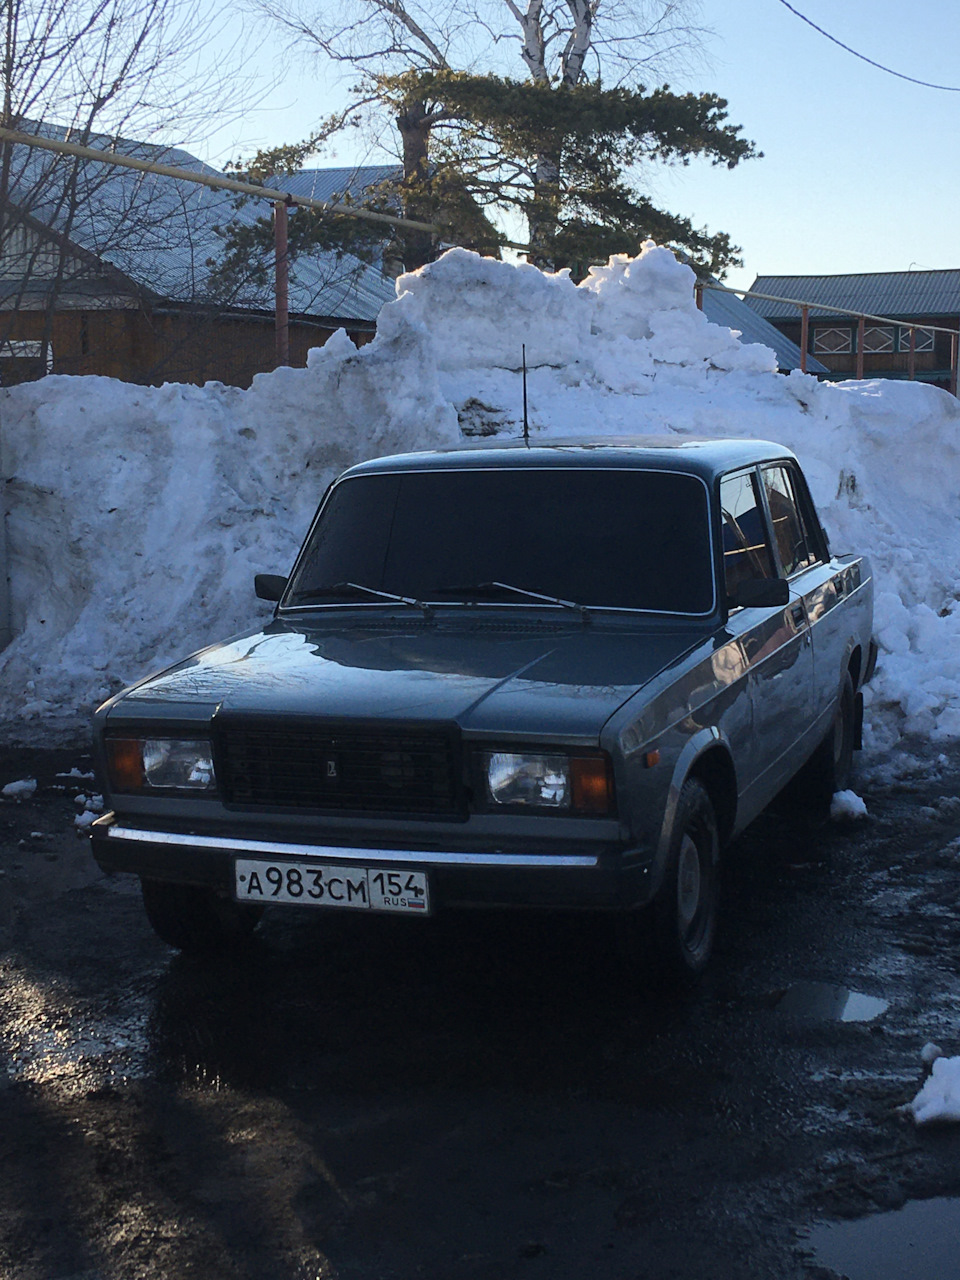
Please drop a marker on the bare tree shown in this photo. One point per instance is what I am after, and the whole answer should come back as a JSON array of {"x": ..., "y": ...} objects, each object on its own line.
[{"x": 94, "y": 72}]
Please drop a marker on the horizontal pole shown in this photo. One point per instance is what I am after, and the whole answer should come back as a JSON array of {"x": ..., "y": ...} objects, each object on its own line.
[
  {"x": 822, "y": 306},
  {"x": 216, "y": 181}
]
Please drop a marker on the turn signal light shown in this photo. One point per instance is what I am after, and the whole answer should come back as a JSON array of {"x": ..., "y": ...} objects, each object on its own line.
[
  {"x": 591, "y": 784},
  {"x": 125, "y": 763}
]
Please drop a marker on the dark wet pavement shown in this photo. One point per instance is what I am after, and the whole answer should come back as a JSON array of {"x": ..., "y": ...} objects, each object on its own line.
[{"x": 480, "y": 1097}]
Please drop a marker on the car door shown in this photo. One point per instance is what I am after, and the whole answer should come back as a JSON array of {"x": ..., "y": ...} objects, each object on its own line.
[
  {"x": 820, "y": 584},
  {"x": 776, "y": 643}
]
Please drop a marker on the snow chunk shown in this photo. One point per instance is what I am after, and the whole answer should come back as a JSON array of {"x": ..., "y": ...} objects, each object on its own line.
[
  {"x": 846, "y": 806},
  {"x": 930, "y": 1053},
  {"x": 939, "y": 1099},
  {"x": 19, "y": 790}
]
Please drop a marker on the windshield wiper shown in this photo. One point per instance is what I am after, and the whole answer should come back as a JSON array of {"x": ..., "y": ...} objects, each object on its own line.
[
  {"x": 354, "y": 588},
  {"x": 489, "y": 588}
]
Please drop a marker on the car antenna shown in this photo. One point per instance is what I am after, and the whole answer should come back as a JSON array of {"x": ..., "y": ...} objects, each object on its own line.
[{"x": 526, "y": 424}]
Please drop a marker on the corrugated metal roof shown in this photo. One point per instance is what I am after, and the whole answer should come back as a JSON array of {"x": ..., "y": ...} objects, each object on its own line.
[
  {"x": 730, "y": 310},
  {"x": 325, "y": 184},
  {"x": 162, "y": 233},
  {"x": 882, "y": 293}
]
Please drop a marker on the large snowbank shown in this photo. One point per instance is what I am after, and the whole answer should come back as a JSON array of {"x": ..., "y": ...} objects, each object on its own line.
[{"x": 138, "y": 516}]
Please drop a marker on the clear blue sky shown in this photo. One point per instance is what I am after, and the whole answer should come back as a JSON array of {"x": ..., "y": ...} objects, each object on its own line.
[{"x": 860, "y": 169}]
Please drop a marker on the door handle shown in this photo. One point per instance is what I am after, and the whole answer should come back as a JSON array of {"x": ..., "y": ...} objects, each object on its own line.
[{"x": 798, "y": 615}]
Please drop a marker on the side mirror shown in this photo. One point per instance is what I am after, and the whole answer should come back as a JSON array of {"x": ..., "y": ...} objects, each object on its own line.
[
  {"x": 269, "y": 586},
  {"x": 761, "y": 593}
]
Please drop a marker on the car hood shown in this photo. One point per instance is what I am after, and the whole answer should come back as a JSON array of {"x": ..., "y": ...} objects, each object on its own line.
[{"x": 546, "y": 679}]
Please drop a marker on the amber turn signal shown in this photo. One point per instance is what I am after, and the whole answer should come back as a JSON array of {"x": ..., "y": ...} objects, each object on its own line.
[
  {"x": 590, "y": 784},
  {"x": 125, "y": 763}
]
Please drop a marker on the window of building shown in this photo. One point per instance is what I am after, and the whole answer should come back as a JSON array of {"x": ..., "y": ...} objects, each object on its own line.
[
  {"x": 924, "y": 339},
  {"x": 832, "y": 341},
  {"x": 878, "y": 338}
]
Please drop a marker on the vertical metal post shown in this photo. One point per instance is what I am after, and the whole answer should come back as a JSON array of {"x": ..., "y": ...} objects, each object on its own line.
[
  {"x": 804, "y": 337},
  {"x": 953, "y": 363},
  {"x": 912, "y": 358},
  {"x": 6, "y": 625},
  {"x": 698, "y": 291},
  {"x": 282, "y": 282},
  {"x": 861, "y": 326}
]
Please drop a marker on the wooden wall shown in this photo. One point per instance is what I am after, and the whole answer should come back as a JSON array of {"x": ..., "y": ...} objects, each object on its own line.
[{"x": 152, "y": 348}]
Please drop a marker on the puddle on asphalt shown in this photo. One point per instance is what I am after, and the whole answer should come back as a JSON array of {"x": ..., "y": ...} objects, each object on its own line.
[
  {"x": 829, "y": 1003},
  {"x": 919, "y": 1240}
]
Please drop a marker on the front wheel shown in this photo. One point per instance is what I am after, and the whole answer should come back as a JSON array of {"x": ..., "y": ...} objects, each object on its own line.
[
  {"x": 677, "y": 929},
  {"x": 194, "y": 919}
]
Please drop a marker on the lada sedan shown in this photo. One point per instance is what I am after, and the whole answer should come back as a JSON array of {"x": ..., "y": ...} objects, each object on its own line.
[{"x": 560, "y": 676}]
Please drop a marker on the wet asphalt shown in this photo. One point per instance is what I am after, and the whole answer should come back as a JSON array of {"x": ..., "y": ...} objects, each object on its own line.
[{"x": 481, "y": 1097}]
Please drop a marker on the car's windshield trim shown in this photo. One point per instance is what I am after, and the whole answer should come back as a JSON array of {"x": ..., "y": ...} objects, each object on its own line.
[{"x": 594, "y": 608}]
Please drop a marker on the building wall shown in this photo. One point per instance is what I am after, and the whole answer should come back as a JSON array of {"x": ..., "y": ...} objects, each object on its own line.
[
  {"x": 930, "y": 366},
  {"x": 151, "y": 348}
]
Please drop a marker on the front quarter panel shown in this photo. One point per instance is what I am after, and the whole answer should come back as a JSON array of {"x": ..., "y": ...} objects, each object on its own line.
[{"x": 700, "y": 705}]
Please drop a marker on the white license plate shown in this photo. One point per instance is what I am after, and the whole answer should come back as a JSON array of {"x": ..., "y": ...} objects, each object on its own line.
[{"x": 309, "y": 884}]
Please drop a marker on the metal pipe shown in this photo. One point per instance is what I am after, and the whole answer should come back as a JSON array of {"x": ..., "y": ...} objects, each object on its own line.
[
  {"x": 217, "y": 181},
  {"x": 282, "y": 277},
  {"x": 861, "y": 328},
  {"x": 804, "y": 337}
]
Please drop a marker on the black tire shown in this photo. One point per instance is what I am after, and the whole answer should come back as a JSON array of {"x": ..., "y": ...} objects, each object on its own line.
[
  {"x": 673, "y": 937},
  {"x": 194, "y": 919},
  {"x": 828, "y": 769}
]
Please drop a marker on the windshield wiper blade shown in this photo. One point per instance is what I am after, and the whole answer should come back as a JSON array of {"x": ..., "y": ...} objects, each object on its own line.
[
  {"x": 353, "y": 588},
  {"x": 488, "y": 588}
]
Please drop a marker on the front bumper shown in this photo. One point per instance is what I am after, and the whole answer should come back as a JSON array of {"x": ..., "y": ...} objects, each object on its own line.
[{"x": 594, "y": 878}]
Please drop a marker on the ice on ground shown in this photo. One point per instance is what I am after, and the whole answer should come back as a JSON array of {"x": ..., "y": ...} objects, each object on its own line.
[
  {"x": 19, "y": 790},
  {"x": 846, "y": 806},
  {"x": 138, "y": 516},
  {"x": 939, "y": 1099}
]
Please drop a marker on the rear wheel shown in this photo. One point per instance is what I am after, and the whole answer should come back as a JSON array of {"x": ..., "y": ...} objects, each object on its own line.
[
  {"x": 194, "y": 919},
  {"x": 673, "y": 936}
]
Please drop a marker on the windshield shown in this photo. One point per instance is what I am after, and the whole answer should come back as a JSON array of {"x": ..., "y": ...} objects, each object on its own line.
[{"x": 619, "y": 539}]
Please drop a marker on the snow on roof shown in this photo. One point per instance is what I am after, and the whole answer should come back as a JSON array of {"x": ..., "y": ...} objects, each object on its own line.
[
  {"x": 162, "y": 233},
  {"x": 910, "y": 294}
]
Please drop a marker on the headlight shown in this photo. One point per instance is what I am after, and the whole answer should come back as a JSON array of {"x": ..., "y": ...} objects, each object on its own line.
[
  {"x": 577, "y": 784},
  {"x": 142, "y": 764}
]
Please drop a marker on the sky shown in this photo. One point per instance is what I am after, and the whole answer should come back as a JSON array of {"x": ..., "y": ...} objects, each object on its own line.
[{"x": 859, "y": 171}]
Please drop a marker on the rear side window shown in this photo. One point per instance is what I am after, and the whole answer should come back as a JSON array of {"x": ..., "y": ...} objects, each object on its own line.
[
  {"x": 746, "y": 550},
  {"x": 795, "y": 546}
]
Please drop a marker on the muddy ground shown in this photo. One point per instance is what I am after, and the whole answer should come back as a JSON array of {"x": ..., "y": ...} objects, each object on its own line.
[{"x": 471, "y": 1099}]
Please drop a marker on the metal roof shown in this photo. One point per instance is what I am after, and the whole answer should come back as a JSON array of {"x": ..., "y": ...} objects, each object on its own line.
[
  {"x": 162, "y": 233},
  {"x": 730, "y": 310},
  {"x": 908, "y": 294},
  {"x": 326, "y": 184}
]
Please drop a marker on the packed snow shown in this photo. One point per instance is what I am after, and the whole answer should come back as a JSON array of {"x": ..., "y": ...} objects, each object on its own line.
[
  {"x": 847, "y": 806},
  {"x": 939, "y": 1099},
  {"x": 138, "y": 516}
]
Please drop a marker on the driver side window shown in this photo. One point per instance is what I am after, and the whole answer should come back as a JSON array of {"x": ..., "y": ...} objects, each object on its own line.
[{"x": 746, "y": 551}]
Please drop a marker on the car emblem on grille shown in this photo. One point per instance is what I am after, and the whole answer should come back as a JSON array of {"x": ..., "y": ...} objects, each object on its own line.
[{"x": 333, "y": 773}]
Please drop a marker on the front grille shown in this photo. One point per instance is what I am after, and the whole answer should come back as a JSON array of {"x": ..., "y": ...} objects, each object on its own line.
[{"x": 340, "y": 769}]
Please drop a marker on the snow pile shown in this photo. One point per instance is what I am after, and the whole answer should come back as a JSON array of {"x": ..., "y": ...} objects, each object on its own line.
[
  {"x": 138, "y": 516},
  {"x": 939, "y": 1099},
  {"x": 22, "y": 789}
]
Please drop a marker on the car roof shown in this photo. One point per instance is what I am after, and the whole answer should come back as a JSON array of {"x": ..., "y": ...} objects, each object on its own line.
[{"x": 700, "y": 456}]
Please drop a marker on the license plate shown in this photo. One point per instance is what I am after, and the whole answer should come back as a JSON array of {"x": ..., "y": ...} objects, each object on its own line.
[{"x": 308, "y": 884}]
